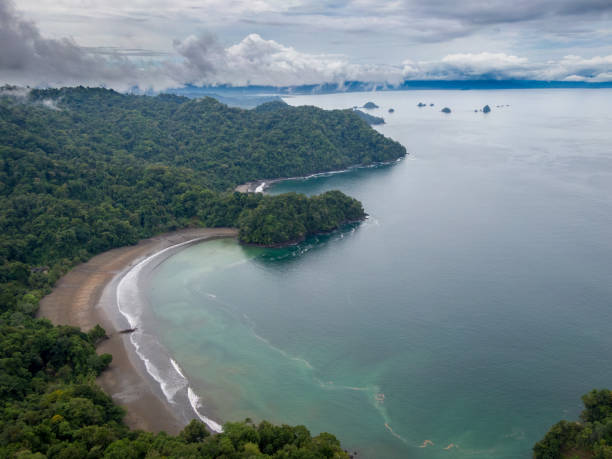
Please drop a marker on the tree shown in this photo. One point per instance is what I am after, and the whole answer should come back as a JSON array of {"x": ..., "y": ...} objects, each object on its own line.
[{"x": 194, "y": 432}]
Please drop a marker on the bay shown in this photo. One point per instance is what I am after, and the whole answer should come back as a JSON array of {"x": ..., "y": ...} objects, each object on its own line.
[{"x": 466, "y": 316}]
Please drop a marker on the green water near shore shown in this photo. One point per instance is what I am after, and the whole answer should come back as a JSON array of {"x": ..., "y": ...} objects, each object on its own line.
[{"x": 472, "y": 309}]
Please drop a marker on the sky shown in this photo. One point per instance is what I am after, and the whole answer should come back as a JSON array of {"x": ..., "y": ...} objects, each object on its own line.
[{"x": 159, "y": 44}]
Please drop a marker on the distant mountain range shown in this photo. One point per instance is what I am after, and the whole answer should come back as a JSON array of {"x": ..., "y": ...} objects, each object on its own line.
[
  {"x": 251, "y": 96},
  {"x": 233, "y": 97}
]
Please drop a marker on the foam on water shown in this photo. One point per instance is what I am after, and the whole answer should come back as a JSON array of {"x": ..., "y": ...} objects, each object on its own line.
[
  {"x": 170, "y": 379},
  {"x": 158, "y": 363},
  {"x": 194, "y": 400},
  {"x": 176, "y": 367},
  {"x": 331, "y": 173},
  {"x": 261, "y": 188},
  {"x": 301, "y": 360}
]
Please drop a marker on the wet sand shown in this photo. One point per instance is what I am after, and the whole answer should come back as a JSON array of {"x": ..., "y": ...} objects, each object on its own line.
[{"x": 86, "y": 296}]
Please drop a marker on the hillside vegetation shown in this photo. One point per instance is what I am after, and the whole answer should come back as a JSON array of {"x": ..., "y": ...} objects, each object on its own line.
[
  {"x": 85, "y": 170},
  {"x": 590, "y": 438},
  {"x": 292, "y": 217},
  {"x": 225, "y": 146}
]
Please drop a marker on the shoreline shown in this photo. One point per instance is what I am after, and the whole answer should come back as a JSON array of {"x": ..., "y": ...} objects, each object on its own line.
[
  {"x": 87, "y": 295},
  {"x": 260, "y": 186},
  {"x": 294, "y": 242}
]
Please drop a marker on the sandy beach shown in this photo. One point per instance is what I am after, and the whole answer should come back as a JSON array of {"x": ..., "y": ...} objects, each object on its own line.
[
  {"x": 84, "y": 297},
  {"x": 260, "y": 186},
  {"x": 257, "y": 186}
]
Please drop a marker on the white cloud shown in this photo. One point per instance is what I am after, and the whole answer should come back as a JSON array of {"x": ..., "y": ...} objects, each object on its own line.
[
  {"x": 256, "y": 61},
  {"x": 576, "y": 68},
  {"x": 28, "y": 57},
  {"x": 501, "y": 66},
  {"x": 469, "y": 65},
  {"x": 484, "y": 60}
]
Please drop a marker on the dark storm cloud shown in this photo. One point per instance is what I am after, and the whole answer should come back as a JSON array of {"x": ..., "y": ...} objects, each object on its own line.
[
  {"x": 583, "y": 7},
  {"x": 434, "y": 21},
  {"x": 503, "y": 11},
  {"x": 29, "y": 58}
]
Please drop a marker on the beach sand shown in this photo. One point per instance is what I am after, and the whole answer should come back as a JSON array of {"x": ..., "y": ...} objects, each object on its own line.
[
  {"x": 255, "y": 186},
  {"x": 86, "y": 296}
]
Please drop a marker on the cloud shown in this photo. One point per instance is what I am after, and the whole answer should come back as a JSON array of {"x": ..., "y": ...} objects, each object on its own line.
[
  {"x": 257, "y": 61},
  {"x": 268, "y": 62},
  {"x": 402, "y": 23},
  {"x": 14, "y": 91},
  {"x": 50, "y": 104},
  {"x": 431, "y": 21},
  {"x": 254, "y": 61},
  {"x": 30, "y": 58},
  {"x": 203, "y": 57},
  {"x": 500, "y": 66},
  {"x": 501, "y": 11},
  {"x": 477, "y": 66},
  {"x": 576, "y": 68}
]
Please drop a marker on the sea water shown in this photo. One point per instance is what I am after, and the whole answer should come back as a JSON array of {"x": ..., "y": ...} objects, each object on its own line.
[{"x": 461, "y": 320}]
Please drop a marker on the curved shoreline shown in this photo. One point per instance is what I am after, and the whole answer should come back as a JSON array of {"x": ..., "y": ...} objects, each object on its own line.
[
  {"x": 260, "y": 186},
  {"x": 87, "y": 295}
]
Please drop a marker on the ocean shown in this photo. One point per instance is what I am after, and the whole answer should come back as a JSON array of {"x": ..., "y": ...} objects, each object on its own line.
[{"x": 462, "y": 319}]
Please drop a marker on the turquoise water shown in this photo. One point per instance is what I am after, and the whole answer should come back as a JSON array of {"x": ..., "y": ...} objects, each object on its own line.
[{"x": 471, "y": 309}]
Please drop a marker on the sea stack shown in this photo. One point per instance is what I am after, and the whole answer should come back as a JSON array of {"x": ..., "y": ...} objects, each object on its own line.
[{"x": 486, "y": 109}]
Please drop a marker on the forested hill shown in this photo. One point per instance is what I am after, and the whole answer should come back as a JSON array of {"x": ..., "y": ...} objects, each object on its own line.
[
  {"x": 226, "y": 145},
  {"x": 590, "y": 438},
  {"x": 86, "y": 170}
]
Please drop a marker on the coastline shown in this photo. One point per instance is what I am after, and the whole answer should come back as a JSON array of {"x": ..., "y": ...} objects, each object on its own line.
[
  {"x": 281, "y": 245},
  {"x": 93, "y": 293},
  {"x": 260, "y": 186},
  {"x": 87, "y": 295}
]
